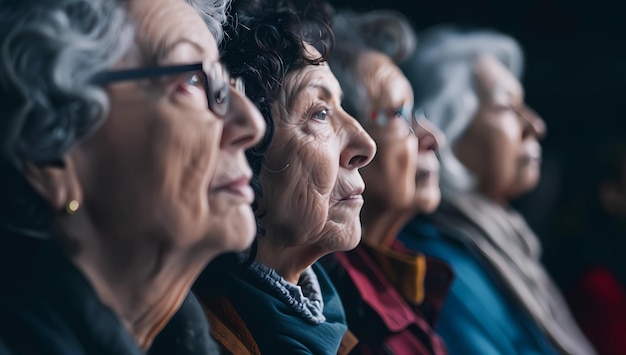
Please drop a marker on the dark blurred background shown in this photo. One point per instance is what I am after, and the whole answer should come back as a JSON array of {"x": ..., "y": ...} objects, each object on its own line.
[{"x": 574, "y": 77}]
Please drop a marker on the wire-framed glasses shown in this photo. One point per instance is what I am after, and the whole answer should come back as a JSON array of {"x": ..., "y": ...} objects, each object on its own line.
[{"x": 408, "y": 116}]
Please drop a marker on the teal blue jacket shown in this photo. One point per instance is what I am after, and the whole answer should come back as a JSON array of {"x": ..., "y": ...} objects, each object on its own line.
[{"x": 477, "y": 316}]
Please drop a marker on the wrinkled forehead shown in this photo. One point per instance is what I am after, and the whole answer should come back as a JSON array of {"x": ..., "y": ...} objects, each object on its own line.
[
  {"x": 495, "y": 80},
  {"x": 310, "y": 80},
  {"x": 373, "y": 63},
  {"x": 165, "y": 28},
  {"x": 383, "y": 80}
]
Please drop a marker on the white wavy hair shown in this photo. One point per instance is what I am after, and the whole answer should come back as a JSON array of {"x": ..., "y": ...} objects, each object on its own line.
[{"x": 442, "y": 73}]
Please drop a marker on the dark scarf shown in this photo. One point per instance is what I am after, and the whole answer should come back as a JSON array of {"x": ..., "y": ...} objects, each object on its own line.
[
  {"x": 187, "y": 333},
  {"x": 48, "y": 307},
  {"x": 280, "y": 328}
]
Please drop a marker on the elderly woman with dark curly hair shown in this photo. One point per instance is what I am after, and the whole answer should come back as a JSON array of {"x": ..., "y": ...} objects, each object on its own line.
[
  {"x": 122, "y": 169},
  {"x": 391, "y": 295},
  {"x": 308, "y": 186}
]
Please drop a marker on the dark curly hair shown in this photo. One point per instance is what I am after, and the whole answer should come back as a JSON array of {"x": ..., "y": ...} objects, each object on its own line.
[{"x": 264, "y": 42}]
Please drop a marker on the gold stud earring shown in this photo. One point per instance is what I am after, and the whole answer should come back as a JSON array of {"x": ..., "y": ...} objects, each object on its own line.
[{"x": 72, "y": 207}]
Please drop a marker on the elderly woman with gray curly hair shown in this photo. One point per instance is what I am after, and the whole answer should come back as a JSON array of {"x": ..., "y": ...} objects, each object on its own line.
[{"x": 122, "y": 170}]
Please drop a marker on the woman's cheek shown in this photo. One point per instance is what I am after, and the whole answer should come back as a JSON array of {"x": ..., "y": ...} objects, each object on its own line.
[
  {"x": 322, "y": 177},
  {"x": 318, "y": 177},
  {"x": 501, "y": 151},
  {"x": 407, "y": 171},
  {"x": 200, "y": 158},
  {"x": 313, "y": 211}
]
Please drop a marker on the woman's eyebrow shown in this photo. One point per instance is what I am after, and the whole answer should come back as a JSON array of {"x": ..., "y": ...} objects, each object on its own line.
[
  {"x": 319, "y": 85},
  {"x": 164, "y": 50},
  {"x": 327, "y": 93},
  {"x": 294, "y": 99}
]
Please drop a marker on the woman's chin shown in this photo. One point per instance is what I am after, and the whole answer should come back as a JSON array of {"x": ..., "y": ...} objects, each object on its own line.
[
  {"x": 242, "y": 233},
  {"x": 427, "y": 200},
  {"x": 342, "y": 236},
  {"x": 351, "y": 237},
  {"x": 525, "y": 183}
]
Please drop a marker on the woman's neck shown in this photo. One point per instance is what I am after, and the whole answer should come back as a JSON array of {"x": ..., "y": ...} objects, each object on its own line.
[
  {"x": 288, "y": 261},
  {"x": 143, "y": 284},
  {"x": 382, "y": 225},
  {"x": 496, "y": 197}
]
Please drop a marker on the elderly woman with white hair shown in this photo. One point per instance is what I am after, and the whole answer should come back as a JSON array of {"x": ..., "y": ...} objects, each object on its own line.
[
  {"x": 122, "y": 171},
  {"x": 502, "y": 300}
]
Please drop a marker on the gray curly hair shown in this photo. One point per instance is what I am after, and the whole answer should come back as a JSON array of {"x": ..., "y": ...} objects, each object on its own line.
[
  {"x": 356, "y": 34},
  {"x": 441, "y": 71},
  {"x": 213, "y": 12},
  {"x": 49, "y": 52}
]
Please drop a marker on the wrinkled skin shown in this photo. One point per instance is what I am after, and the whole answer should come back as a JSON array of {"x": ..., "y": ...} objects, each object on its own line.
[
  {"x": 162, "y": 146},
  {"x": 404, "y": 175},
  {"x": 151, "y": 180},
  {"x": 311, "y": 184},
  {"x": 428, "y": 194},
  {"x": 403, "y": 178},
  {"x": 501, "y": 144}
]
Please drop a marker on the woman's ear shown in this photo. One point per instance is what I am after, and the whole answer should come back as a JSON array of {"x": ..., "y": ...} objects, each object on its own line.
[{"x": 57, "y": 184}]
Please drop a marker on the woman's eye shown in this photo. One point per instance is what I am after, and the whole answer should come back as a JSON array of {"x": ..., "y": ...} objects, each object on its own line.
[
  {"x": 503, "y": 108},
  {"x": 321, "y": 115},
  {"x": 194, "y": 80},
  {"x": 190, "y": 81}
]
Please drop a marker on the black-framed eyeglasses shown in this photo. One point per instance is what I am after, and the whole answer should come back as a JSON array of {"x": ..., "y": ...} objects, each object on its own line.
[{"x": 214, "y": 79}]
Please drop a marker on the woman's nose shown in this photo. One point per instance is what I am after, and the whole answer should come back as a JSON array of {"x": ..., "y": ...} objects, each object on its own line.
[
  {"x": 243, "y": 125},
  {"x": 533, "y": 124},
  {"x": 360, "y": 148},
  {"x": 429, "y": 136}
]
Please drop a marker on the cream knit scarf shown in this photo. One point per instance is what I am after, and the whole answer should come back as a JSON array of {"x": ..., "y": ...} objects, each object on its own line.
[{"x": 512, "y": 252}]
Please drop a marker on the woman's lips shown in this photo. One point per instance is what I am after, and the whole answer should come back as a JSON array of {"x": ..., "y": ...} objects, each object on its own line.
[
  {"x": 353, "y": 197},
  {"x": 531, "y": 153},
  {"x": 355, "y": 193},
  {"x": 527, "y": 159},
  {"x": 531, "y": 156},
  {"x": 352, "y": 201},
  {"x": 239, "y": 187},
  {"x": 423, "y": 174},
  {"x": 427, "y": 167}
]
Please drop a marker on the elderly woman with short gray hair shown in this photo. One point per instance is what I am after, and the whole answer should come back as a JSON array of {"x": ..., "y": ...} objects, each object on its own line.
[
  {"x": 502, "y": 301},
  {"x": 386, "y": 289},
  {"x": 122, "y": 170}
]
